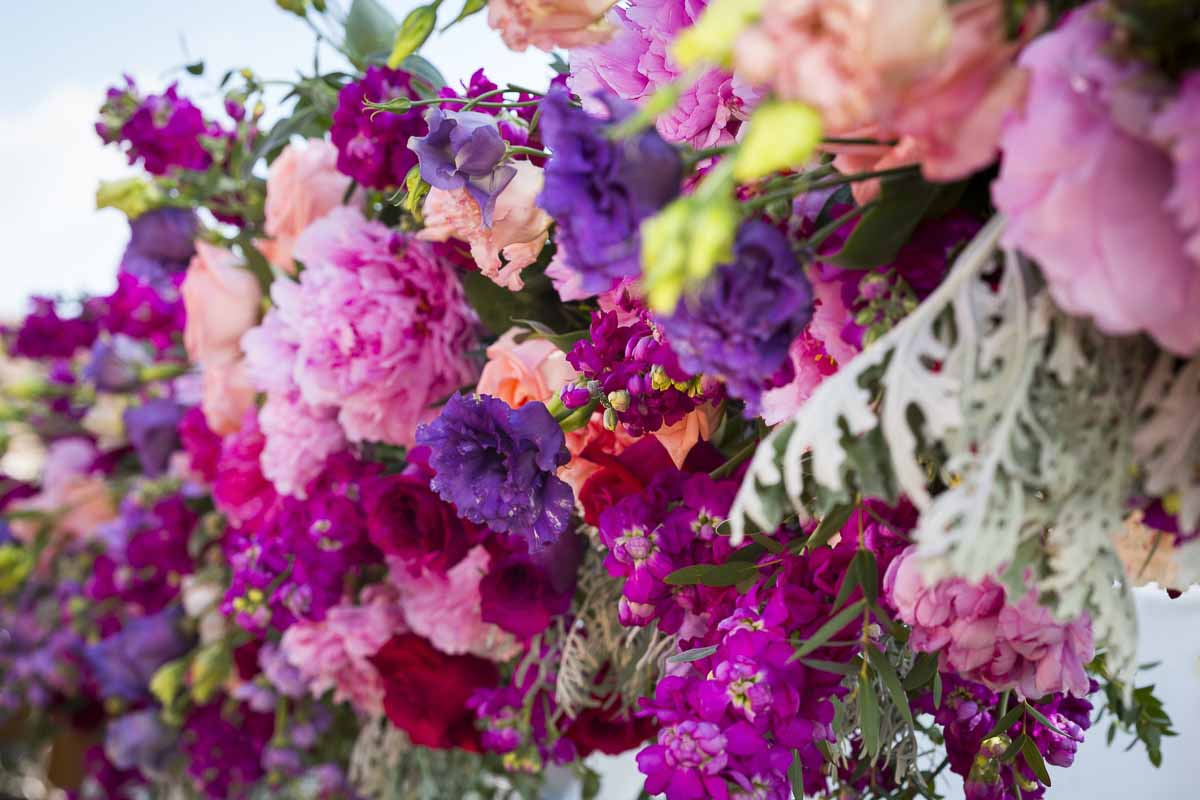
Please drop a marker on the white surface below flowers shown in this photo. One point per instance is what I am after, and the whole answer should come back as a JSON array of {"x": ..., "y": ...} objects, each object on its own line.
[{"x": 1168, "y": 635}]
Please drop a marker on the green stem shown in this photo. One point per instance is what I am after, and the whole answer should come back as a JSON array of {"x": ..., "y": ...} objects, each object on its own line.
[
  {"x": 830, "y": 228},
  {"x": 527, "y": 151},
  {"x": 737, "y": 458}
]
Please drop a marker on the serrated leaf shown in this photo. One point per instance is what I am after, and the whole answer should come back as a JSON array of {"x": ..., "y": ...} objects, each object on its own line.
[
  {"x": 1033, "y": 758},
  {"x": 695, "y": 654},
  {"x": 370, "y": 31},
  {"x": 868, "y": 717},
  {"x": 891, "y": 682},
  {"x": 826, "y": 631},
  {"x": 727, "y": 574}
]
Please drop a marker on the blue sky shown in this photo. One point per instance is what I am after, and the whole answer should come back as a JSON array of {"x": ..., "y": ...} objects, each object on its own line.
[{"x": 60, "y": 56}]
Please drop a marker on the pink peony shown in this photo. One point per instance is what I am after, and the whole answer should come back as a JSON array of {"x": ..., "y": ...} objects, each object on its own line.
[
  {"x": 547, "y": 24},
  {"x": 445, "y": 609},
  {"x": 529, "y": 371},
  {"x": 1085, "y": 194},
  {"x": 374, "y": 333},
  {"x": 222, "y": 302},
  {"x": 1177, "y": 129},
  {"x": 636, "y": 62},
  {"x": 335, "y": 653},
  {"x": 518, "y": 232},
  {"x": 983, "y": 638},
  {"x": 303, "y": 185}
]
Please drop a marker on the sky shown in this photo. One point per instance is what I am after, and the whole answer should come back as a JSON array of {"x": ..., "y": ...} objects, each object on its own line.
[{"x": 69, "y": 51}]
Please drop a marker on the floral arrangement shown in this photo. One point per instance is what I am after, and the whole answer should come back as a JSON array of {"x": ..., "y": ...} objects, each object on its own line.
[{"x": 789, "y": 392}]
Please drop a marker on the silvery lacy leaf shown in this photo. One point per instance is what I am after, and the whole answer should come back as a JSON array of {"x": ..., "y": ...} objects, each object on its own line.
[
  {"x": 1026, "y": 412},
  {"x": 1166, "y": 443}
]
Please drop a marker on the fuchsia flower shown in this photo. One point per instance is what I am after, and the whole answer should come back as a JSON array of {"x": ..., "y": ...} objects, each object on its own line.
[{"x": 982, "y": 637}]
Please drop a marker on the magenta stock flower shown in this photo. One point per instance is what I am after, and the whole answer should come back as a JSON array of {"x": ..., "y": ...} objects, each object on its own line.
[{"x": 373, "y": 146}]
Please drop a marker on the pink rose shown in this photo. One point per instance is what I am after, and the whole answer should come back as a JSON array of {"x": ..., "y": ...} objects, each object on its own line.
[
  {"x": 519, "y": 228},
  {"x": 547, "y": 24},
  {"x": 222, "y": 302},
  {"x": 1085, "y": 193},
  {"x": 83, "y": 501},
  {"x": 303, "y": 185},
  {"x": 532, "y": 370}
]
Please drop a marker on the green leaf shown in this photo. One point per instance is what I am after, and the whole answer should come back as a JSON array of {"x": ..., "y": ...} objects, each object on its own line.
[
  {"x": 830, "y": 524},
  {"x": 891, "y": 681},
  {"x": 1040, "y": 717},
  {"x": 887, "y": 226},
  {"x": 868, "y": 716},
  {"x": 849, "y": 583},
  {"x": 498, "y": 308},
  {"x": 563, "y": 341},
  {"x": 429, "y": 79},
  {"x": 1004, "y": 723},
  {"x": 868, "y": 574},
  {"x": 826, "y": 631},
  {"x": 937, "y": 690},
  {"x": 370, "y": 31},
  {"x": 278, "y": 136},
  {"x": 695, "y": 654},
  {"x": 470, "y": 8},
  {"x": 1013, "y": 748},
  {"x": 727, "y": 574},
  {"x": 413, "y": 32},
  {"x": 796, "y": 774},
  {"x": 1034, "y": 759},
  {"x": 769, "y": 544},
  {"x": 195, "y": 68},
  {"x": 846, "y": 668},
  {"x": 922, "y": 671}
]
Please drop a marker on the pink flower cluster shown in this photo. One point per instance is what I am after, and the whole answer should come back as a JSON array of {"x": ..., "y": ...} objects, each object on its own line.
[
  {"x": 982, "y": 637},
  {"x": 375, "y": 331}
]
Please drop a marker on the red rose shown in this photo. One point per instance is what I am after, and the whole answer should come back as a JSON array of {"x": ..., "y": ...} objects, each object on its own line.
[
  {"x": 407, "y": 520},
  {"x": 609, "y": 731},
  {"x": 621, "y": 475},
  {"x": 426, "y": 691}
]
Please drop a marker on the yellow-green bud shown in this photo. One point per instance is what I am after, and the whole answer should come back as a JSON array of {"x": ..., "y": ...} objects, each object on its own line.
[
  {"x": 168, "y": 680},
  {"x": 131, "y": 196},
  {"x": 15, "y": 565},
  {"x": 710, "y": 40},
  {"x": 780, "y": 135},
  {"x": 297, "y": 7},
  {"x": 210, "y": 667},
  {"x": 610, "y": 419},
  {"x": 413, "y": 32},
  {"x": 619, "y": 400}
]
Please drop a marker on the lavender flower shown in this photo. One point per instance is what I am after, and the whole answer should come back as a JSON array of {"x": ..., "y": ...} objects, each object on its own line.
[
  {"x": 464, "y": 149},
  {"x": 742, "y": 322},
  {"x": 139, "y": 740},
  {"x": 115, "y": 365},
  {"x": 153, "y": 431},
  {"x": 161, "y": 243},
  {"x": 497, "y": 466},
  {"x": 600, "y": 189},
  {"x": 123, "y": 663}
]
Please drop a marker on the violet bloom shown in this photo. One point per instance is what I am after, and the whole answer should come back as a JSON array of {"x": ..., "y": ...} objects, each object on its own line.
[
  {"x": 599, "y": 190},
  {"x": 152, "y": 429},
  {"x": 464, "y": 149},
  {"x": 45, "y": 334},
  {"x": 497, "y": 465},
  {"x": 373, "y": 145},
  {"x": 743, "y": 320},
  {"x": 123, "y": 664},
  {"x": 522, "y": 593},
  {"x": 161, "y": 243},
  {"x": 139, "y": 740},
  {"x": 115, "y": 365}
]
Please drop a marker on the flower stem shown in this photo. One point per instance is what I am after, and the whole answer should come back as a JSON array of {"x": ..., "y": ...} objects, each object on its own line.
[{"x": 737, "y": 458}]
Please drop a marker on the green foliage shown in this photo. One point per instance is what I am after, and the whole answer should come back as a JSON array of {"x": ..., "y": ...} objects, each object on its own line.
[
  {"x": 1162, "y": 33},
  {"x": 370, "y": 32},
  {"x": 730, "y": 573},
  {"x": 904, "y": 200},
  {"x": 1138, "y": 712},
  {"x": 499, "y": 308}
]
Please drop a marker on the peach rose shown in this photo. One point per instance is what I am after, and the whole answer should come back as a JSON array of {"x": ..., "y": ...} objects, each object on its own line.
[
  {"x": 80, "y": 502},
  {"x": 532, "y": 370},
  {"x": 547, "y": 24},
  {"x": 303, "y": 185},
  {"x": 680, "y": 438},
  {"x": 519, "y": 228},
  {"x": 222, "y": 303}
]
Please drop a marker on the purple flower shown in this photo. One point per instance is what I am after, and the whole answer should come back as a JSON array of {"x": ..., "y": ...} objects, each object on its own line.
[
  {"x": 223, "y": 748},
  {"x": 464, "y": 149},
  {"x": 497, "y": 465},
  {"x": 139, "y": 740},
  {"x": 145, "y": 310},
  {"x": 600, "y": 189},
  {"x": 152, "y": 429},
  {"x": 115, "y": 364},
  {"x": 743, "y": 320},
  {"x": 123, "y": 664},
  {"x": 687, "y": 757},
  {"x": 164, "y": 131},
  {"x": 44, "y": 334},
  {"x": 161, "y": 242},
  {"x": 373, "y": 145},
  {"x": 522, "y": 593}
]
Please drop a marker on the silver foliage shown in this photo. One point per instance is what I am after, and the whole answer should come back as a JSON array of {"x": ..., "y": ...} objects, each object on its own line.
[
  {"x": 1028, "y": 413},
  {"x": 1167, "y": 441}
]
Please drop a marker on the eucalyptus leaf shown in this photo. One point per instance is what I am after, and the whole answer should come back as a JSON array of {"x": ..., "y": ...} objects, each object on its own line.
[
  {"x": 868, "y": 717},
  {"x": 727, "y": 574},
  {"x": 796, "y": 774},
  {"x": 891, "y": 681},
  {"x": 695, "y": 654},
  {"x": 826, "y": 631}
]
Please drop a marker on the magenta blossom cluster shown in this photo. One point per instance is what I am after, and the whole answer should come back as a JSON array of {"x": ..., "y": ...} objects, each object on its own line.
[
  {"x": 627, "y": 362},
  {"x": 164, "y": 131},
  {"x": 373, "y": 145},
  {"x": 968, "y": 712},
  {"x": 983, "y": 637},
  {"x": 47, "y": 332}
]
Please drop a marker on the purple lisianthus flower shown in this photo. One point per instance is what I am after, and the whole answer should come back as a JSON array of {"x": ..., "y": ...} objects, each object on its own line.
[
  {"x": 123, "y": 664},
  {"x": 115, "y": 365},
  {"x": 497, "y": 465},
  {"x": 373, "y": 146},
  {"x": 522, "y": 593},
  {"x": 139, "y": 740},
  {"x": 464, "y": 149},
  {"x": 741, "y": 323},
  {"x": 600, "y": 189},
  {"x": 161, "y": 242},
  {"x": 152, "y": 428}
]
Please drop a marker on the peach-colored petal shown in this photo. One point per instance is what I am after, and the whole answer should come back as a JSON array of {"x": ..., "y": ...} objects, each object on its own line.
[
  {"x": 680, "y": 438},
  {"x": 547, "y": 24}
]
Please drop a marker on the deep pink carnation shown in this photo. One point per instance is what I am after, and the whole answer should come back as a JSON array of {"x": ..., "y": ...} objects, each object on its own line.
[
  {"x": 984, "y": 638},
  {"x": 1085, "y": 191},
  {"x": 636, "y": 62},
  {"x": 376, "y": 331}
]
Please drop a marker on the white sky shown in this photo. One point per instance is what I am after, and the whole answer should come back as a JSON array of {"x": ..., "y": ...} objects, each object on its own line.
[{"x": 68, "y": 52}]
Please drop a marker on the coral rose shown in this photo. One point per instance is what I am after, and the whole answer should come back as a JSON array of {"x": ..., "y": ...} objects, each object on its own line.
[
  {"x": 547, "y": 24},
  {"x": 303, "y": 186}
]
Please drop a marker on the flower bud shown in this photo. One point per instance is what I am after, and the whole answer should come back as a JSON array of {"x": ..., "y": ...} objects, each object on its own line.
[
  {"x": 168, "y": 680},
  {"x": 710, "y": 40},
  {"x": 131, "y": 196},
  {"x": 210, "y": 667},
  {"x": 779, "y": 136},
  {"x": 412, "y": 33},
  {"x": 15, "y": 565}
]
